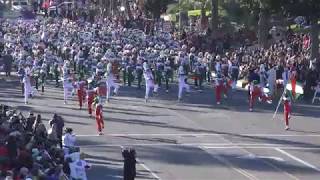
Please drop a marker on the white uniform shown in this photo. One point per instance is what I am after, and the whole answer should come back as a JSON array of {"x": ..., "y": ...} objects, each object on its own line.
[
  {"x": 110, "y": 81},
  {"x": 67, "y": 89},
  {"x": 27, "y": 88},
  {"x": 285, "y": 77},
  {"x": 182, "y": 83},
  {"x": 78, "y": 169},
  {"x": 149, "y": 79},
  {"x": 272, "y": 79}
]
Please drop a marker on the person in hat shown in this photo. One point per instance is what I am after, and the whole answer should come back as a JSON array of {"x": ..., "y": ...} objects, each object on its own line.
[
  {"x": 182, "y": 76},
  {"x": 287, "y": 110},
  {"x": 99, "y": 115},
  {"x": 67, "y": 88}
]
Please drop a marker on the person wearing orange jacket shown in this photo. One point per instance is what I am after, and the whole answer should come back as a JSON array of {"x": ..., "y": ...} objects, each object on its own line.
[{"x": 99, "y": 116}]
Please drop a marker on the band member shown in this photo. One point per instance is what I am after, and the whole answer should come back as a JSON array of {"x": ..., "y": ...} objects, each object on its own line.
[
  {"x": 67, "y": 88},
  {"x": 101, "y": 91},
  {"x": 182, "y": 82},
  {"x": 43, "y": 75},
  {"x": 220, "y": 87},
  {"x": 149, "y": 79},
  {"x": 90, "y": 96},
  {"x": 81, "y": 91},
  {"x": 257, "y": 91},
  {"x": 99, "y": 116},
  {"x": 292, "y": 77},
  {"x": 139, "y": 71},
  {"x": 287, "y": 111},
  {"x": 167, "y": 74},
  {"x": 110, "y": 83},
  {"x": 27, "y": 87}
]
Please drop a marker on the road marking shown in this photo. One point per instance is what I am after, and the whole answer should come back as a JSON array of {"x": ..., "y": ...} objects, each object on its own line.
[
  {"x": 246, "y": 151},
  {"x": 253, "y": 156},
  {"x": 148, "y": 169},
  {"x": 203, "y": 134},
  {"x": 228, "y": 163},
  {"x": 143, "y": 165},
  {"x": 298, "y": 159}
]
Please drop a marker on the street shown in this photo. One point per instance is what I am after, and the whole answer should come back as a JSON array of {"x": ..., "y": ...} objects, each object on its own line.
[{"x": 191, "y": 140}]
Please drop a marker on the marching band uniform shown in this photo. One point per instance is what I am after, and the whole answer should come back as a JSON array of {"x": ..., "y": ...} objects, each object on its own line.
[
  {"x": 149, "y": 79},
  {"x": 90, "y": 97},
  {"x": 81, "y": 91},
  {"x": 182, "y": 82},
  {"x": 67, "y": 88},
  {"x": 130, "y": 70},
  {"x": 234, "y": 72},
  {"x": 257, "y": 91},
  {"x": 272, "y": 77},
  {"x": 219, "y": 83},
  {"x": 292, "y": 77},
  {"x": 139, "y": 72},
  {"x": 167, "y": 74},
  {"x": 110, "y": 81},
  {"x": 101, "y": 91},
  {"x": 287, "y": 111},
  {"x": 43, "y": 76},
  {"x": 99, "y": 117},
  {"x": 27, "y": 87}
]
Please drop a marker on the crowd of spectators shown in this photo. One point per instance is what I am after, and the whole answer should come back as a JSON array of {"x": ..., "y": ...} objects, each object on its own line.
[{"x": 28, "y": 150}]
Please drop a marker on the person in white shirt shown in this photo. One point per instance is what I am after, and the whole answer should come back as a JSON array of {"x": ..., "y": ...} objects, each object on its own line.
[
  {"x": 68, "y": 140},
  {"x": 78, "y": 169}
]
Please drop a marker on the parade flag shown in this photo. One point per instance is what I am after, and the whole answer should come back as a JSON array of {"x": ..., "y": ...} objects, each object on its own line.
[{"x": 296, "y": 91}]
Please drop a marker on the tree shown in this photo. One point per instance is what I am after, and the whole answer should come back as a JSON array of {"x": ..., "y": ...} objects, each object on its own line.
[
  {"x": 155, "y": 8},
  {"x": 310, "y": 9},
  {"x": 214, "y": 15}
]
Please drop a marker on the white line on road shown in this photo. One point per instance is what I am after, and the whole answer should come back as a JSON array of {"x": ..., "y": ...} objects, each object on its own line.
[
  {"x": 148, "y": 169},
  {"x": 228, "y": 163},
  {"x": 202, "y": 134},
  {"x": 298, "y": 159}
]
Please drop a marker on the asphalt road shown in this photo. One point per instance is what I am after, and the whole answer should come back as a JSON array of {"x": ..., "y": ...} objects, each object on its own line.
[{"x": 191, "y": 140}]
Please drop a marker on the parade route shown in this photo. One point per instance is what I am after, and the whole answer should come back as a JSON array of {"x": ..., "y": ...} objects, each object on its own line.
[{"x": 191, "y": 140}]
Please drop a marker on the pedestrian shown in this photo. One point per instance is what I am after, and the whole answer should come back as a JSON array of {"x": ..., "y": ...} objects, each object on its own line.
[
  {"x": 287, "y": 110},
  {"x": 68, "y": 140},
  {"x": 59, "y": 122},
  {"x": 7, "y": 61},
  {"x": 78, "y": 168}
]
